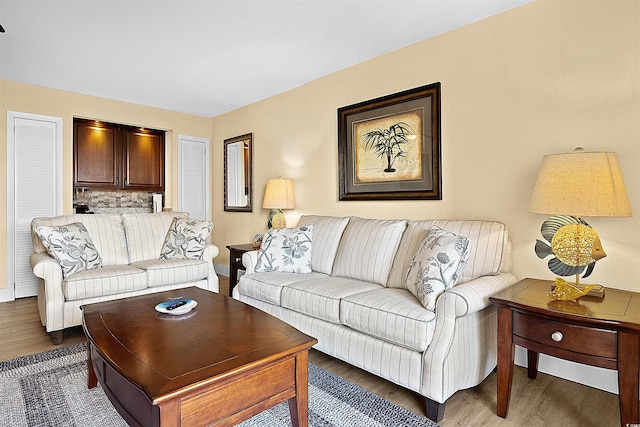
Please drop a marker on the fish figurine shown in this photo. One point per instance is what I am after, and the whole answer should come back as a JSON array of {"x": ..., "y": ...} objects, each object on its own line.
[
  {"x": 574, "y": 244},
  {"x": 566, "y": 291}
]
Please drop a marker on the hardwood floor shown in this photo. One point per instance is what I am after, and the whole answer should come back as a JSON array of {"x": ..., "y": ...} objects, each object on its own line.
[{"x": 546, "y": 401}]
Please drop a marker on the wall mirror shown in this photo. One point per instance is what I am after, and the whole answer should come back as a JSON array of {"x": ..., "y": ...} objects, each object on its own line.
[{"x": 238, "y": 173}]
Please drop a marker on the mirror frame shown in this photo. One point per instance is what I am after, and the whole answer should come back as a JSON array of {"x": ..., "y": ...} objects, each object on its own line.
[{"x": 248, "y": 140}]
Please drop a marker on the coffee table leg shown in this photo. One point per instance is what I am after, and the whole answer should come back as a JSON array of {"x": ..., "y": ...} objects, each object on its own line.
[
  {"x": 299, "y": 405},
  {"x": 92, "y": 379}
]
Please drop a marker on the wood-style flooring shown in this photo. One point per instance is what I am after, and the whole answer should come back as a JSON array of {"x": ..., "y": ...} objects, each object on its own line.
[{"x": 546, "y": 401}]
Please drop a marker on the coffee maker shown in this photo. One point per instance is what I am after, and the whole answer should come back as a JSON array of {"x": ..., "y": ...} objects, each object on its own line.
[{"x": 82, "y": 200}]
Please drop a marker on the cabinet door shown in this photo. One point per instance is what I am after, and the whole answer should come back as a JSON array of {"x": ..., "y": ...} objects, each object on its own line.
[
  {"x": 96, "y": 160},
  {"x": 143, "y": 160}
]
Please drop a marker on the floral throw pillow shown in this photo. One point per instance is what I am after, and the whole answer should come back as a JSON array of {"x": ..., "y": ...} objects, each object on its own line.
[
  {"x": 287, "y": 250},
  {"x": 437, "y": 264},
  {"x": 186, "y": 239},
  {"x": 71, "y": 246}
]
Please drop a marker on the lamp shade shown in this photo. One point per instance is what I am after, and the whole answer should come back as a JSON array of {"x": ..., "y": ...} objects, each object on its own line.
[
  {"x": 279, "y": 194},
  {"x": 580, "y": 184}
]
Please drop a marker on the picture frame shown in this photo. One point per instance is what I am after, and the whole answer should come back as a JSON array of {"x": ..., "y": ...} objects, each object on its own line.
[{"x": 389, "y": 147}]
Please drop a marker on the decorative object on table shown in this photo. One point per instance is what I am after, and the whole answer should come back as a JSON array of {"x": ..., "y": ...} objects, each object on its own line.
[
  {"x": 566, "y": 291},
  {"x": 573, "y": 242},
  {"x": 389, "y": 147},
  {"x": 238, "y": 173},
  {"x": 257, "y": 241},
  {"x": 278, "y": 195},
  {"x": 176, "y": 306},
  {"x": 570, "y": 186}
]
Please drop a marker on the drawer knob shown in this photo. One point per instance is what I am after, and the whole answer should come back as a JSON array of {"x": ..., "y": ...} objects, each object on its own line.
[{"x": 557, "y": 336}]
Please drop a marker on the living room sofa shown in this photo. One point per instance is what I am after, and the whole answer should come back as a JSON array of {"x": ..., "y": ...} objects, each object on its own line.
[
  {"x": 129, "y": 247},
  {"x": 355, "y": 301}
]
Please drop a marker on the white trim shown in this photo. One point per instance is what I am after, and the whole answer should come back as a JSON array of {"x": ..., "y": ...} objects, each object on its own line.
[{"x": 8, "y": 294}]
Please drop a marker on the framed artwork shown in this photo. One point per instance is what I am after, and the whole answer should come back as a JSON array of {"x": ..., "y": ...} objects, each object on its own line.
[{"x": 389, "y": 147}]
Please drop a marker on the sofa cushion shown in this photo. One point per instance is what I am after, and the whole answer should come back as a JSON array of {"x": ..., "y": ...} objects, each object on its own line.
[
  {"x": 321, "y": 298},
  {"x": 186, "y": 239},
  {"x": 436, "y": 266},
  {"x": 146, "y": 232},
  {"x": 106, "y": 232},
  {"x": 107, "y": 280},
  {"x": 389, "y": 314},
  {"x": 327, "y": 232},
  {"x": 367, "y": 249},
  {"x": 71, "y": 246},
  {"x": 489, "y": 254},
  {"x": 173, "y": 271},
  {"x": 287, "y": 250},
  {"x": 268, "y": 286}
]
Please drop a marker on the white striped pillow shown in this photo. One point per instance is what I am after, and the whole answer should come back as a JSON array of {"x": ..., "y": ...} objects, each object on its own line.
[
  {"x": 367, "y": 249},
  {"x": 327, "y": 231}
]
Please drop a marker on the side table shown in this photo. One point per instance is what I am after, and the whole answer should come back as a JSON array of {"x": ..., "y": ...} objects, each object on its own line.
[
  {"x": 235, "y": 262},
  {"x": 603, "y": 332}
]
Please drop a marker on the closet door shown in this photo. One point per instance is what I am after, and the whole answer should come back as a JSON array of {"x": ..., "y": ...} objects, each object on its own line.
[
  {"x": 193, "y": 176},
  {"x": 34, "y": 183}
]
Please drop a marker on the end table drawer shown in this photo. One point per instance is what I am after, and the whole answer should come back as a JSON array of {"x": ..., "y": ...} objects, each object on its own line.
[{"x": 565, "y": 336}]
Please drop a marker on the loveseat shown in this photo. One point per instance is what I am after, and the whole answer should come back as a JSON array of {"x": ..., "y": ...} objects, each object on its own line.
[
  {"x": 119, "y": 256},
  {"x": 355, "y": 297}
]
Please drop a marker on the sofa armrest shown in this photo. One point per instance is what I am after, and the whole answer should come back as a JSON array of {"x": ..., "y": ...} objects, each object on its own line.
[
  {"x": 210, "y": 252},
  {"x": 473, "y": 296},
  {"x": 47, "y": 268},
  {"x": 249, "y": 260}
]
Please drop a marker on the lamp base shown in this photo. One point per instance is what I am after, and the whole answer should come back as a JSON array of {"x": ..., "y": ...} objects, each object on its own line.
[{"x": 276, "y": 219}]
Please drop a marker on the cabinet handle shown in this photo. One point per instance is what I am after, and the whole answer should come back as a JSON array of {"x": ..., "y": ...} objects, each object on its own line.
[{"x": 557, "y": 336}]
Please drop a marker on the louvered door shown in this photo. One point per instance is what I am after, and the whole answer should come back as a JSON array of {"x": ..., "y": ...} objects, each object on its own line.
[
  {"x": 35, "y": 180},
  {"x": 193, "y": 176}
]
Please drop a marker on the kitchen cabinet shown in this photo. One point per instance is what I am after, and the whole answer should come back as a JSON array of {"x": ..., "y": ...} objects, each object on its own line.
[{"x": 109, "y": 156}]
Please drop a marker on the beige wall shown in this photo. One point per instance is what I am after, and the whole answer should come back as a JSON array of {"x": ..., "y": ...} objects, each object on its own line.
[
  {"x": 539, "y": 79},
  {"x": 37, "y": 100}
]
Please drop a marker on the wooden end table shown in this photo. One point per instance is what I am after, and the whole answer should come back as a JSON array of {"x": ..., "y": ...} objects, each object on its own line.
[
  {"x": 235, "y": 262},
  {"x": 603, "y": 332},
  {"x": 219, "y": 364}
]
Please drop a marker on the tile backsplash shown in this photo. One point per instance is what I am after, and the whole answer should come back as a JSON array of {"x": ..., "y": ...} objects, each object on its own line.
[{"x": 117, "y": 202}]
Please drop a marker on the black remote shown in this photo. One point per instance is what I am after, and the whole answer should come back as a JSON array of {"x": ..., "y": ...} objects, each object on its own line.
[{"x": 176, "y": 305}]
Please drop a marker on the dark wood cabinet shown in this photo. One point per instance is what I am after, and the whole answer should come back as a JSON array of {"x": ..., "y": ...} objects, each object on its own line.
[{"x": 109, "y": 156}]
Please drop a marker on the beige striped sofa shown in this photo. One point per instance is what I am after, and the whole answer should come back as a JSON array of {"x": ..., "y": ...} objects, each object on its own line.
[
  {"x": 356, "y": 304},
  {"x": 130, "y": 246}
]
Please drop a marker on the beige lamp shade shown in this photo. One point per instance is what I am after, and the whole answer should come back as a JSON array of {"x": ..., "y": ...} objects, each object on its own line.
[
  {"x": 279, "y": 194},
  {"x": 580, "y": 184}
]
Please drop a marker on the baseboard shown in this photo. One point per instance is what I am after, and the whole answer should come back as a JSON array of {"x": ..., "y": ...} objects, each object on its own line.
[
  {"x": 221, "y": 269},
  {"x": 600, "y": 378}
]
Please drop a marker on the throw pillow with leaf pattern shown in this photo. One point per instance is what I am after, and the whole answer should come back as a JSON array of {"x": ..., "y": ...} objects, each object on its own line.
[
  {"x": 71, "y": 246},
  {"x": 287, "y": 250},
  {"x": 437, "y": 265},
  {"x": 186, "y": 239}
]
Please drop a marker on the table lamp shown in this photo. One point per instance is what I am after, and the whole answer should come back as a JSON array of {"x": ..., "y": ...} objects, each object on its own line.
[
  {"x": 570, "y": 186},
  {"x": 278, "y": 195}
]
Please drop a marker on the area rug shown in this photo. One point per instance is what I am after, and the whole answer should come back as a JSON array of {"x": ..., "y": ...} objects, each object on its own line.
[{"x": 50, "y": 389}]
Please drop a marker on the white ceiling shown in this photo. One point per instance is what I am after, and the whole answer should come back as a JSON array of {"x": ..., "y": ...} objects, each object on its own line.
[{"x": 208, "y": 57}]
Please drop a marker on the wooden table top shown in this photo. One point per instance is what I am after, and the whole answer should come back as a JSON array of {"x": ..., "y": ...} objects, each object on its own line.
[
  {"x": 163, "y": 354},
  {"x": 618, "y": 308}
]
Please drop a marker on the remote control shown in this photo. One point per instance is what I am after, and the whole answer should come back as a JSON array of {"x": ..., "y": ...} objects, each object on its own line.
[{"x": 176, "y": 305}]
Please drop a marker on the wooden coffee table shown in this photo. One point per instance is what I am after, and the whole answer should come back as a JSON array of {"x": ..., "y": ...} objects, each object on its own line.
[{"x": 219, "y": 364}]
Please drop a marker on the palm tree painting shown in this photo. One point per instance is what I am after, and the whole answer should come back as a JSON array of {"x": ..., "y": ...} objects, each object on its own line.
[{"x": 388, "y": 143}]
